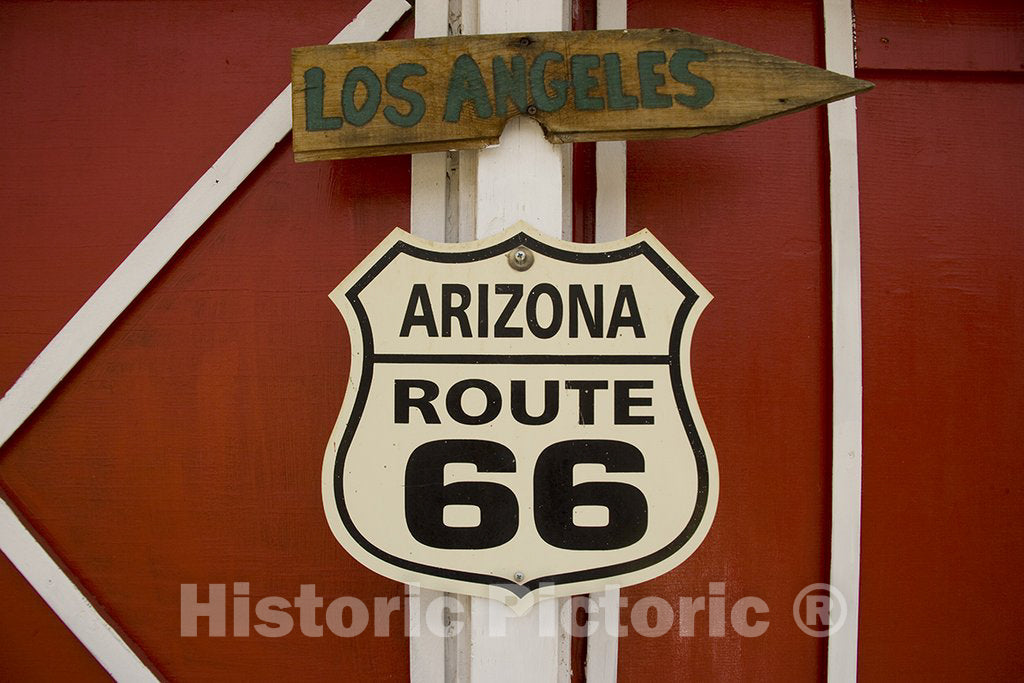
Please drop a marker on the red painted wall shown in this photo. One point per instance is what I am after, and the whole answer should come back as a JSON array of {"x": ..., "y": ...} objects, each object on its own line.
[
  {"x": 942, "y": 200},
  {"x": 745, "y": 212},
  {"x": 187, "y": 446}
]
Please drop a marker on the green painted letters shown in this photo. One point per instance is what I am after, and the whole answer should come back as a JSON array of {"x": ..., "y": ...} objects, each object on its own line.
[
  {"x": 613, "y": 77},
  {"x": 360, "y": 116},
  {"x": 650, "y": 80},
  {"x": 509, "y": 84},
  {"x": 596, "y": 82},
  {"x": 583, "y": 82},
  {"x": 466, "y": 84},
  {"x": 315, "y": 119},
  {"x": 396, "y": 88},
  {"x": 679, "y": 67},
  {"x": 538, "y": 88}
]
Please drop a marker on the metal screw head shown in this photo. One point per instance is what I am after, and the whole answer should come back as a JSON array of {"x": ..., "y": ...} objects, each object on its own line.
[
  {"x": 520, "y": 258},
  {"x": 531, "y": 110},
  {"x": 518, "y": 576}
]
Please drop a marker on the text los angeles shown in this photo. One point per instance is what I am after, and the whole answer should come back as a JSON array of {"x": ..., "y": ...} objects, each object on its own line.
[{"x": 594, "y": 81}]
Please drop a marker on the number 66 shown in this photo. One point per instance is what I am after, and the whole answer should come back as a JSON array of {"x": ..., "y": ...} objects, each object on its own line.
[{"x": 555, "y": 496}]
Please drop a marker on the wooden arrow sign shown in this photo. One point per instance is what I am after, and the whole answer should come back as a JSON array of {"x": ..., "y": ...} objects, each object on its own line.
[{"x": 397, "y": 97}]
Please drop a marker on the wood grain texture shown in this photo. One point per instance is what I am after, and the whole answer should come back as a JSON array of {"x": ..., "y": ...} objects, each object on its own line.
[
  {"x": 182, "y": 221},
  {"x": 35, "y": 645},
  {"x": 133, "y": 515},
  {"x": 941, "y": 35},
  {"x": 746, "y": 213},
  {"x": 188, "y": 448},
  {"x": 579, "y": 86},
  {"x": 943, "y": 518}
]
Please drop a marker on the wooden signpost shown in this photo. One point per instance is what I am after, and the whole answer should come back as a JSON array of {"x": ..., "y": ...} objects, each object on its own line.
[{"x": 399, "y": 97}]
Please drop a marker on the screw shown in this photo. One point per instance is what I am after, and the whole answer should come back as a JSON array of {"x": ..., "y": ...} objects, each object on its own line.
[
  {"x": 531, "y": 110},
  {"x": 525, "y": 41},
  {"x": 520, "y": 258},
  {"x": 518, "y": 576}
]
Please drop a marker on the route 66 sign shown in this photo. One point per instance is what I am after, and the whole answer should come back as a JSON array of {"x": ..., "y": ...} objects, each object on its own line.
[{"x": 520, "y": 419}]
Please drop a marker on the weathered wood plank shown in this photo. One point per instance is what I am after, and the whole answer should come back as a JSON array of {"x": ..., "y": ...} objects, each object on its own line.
[{"x": 458, "y": 92}]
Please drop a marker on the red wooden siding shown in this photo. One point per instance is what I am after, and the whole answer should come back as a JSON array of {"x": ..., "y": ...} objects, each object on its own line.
[
  {"x": 36, "y": 645},
  {"x": 942, "y": 201},
  {"x": 744, "y": 211},
  {"x": 187, "y": 446}
]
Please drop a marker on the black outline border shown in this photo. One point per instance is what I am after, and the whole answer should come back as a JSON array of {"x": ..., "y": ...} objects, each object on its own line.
[{"x": 641, "y": 248}]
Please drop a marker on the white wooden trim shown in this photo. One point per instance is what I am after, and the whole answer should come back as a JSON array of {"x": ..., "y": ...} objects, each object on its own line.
[
  {"x": 427, "y": 205},
  {"x": 610, "y": 206},
  {"x": 847, "y": 414},
  {"x": 99, "y": 312},
  {"x": 159, "y": 246},
  {"x": 602, "y": 665},
  {"x": 65, "y": 598},
  {"x": 463, "y": 193}
]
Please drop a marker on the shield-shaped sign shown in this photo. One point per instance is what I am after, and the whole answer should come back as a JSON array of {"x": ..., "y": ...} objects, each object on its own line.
[{"x": 520, "y": 418}]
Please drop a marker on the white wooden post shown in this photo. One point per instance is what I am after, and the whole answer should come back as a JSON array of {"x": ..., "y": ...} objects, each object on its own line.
[{"x": 609, "y": 224}]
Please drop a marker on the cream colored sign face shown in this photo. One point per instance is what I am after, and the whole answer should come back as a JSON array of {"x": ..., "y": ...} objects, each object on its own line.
[{"x": 520, "y": 419}]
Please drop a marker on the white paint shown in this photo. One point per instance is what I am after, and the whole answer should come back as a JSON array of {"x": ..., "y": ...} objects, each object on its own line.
[
  {"x": 602, "y": 665},
  {"x": 847, "y": 414},
  {"x": 611, "y": 14},
  {"x": 427, "y": 205},
  {"x": 512, "y": 16},
  {"x": 463, "y": 192},
  {"x": 65, "y": 598},
  {"x": 610, "y": 207},
  {"x": 521, "y": 179},
  {"x": 505, "y": 647},
  {"x": 100, "y": 311},
  {"x": 426, "y": 634}
]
